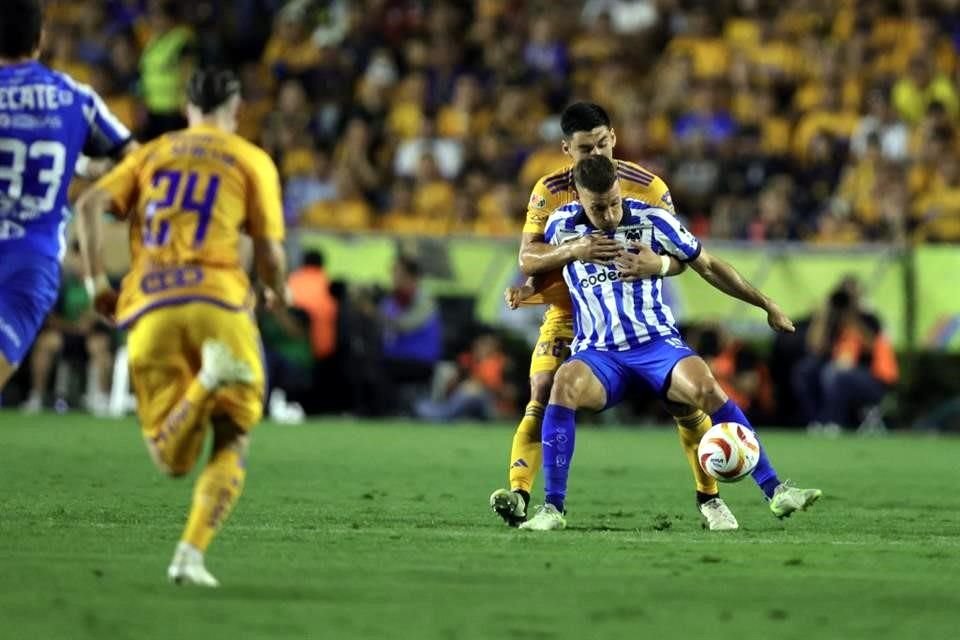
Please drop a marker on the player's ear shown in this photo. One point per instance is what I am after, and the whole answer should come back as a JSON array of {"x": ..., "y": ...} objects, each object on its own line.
[
  {"x": 613, "y": 138},
  {"x": 565, "y": 146}
]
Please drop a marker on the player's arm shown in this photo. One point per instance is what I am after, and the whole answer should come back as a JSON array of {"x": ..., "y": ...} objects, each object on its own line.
[
  {"x": 115, "y": 192},
  {"x": 265, "y": 226},
  {"x": 536, "y": 256},
  {"x": 722, "y": 276}
]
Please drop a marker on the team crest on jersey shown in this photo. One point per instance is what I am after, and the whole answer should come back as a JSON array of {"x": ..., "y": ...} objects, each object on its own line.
[
  {"x": 537, "y": 201},
  {"x": 667, "y": 199}
]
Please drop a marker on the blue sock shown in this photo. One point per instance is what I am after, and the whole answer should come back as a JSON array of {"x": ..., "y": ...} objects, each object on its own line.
[
  {"x": 764, "y": 475},
  {"x": 559, "y": 428}
]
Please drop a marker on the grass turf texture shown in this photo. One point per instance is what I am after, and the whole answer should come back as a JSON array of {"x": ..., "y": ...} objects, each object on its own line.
[{"x": 382, "y": 531}]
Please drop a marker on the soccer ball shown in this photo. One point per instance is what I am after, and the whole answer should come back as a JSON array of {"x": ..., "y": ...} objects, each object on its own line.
[{"x": 728, "y": 451}]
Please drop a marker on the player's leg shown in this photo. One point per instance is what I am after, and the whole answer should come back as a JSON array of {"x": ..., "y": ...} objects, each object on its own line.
[
  {"x": 99, "y": 369},
  {"x": 553, "y": 347},
  {"x": 215, "y": 493},
  {"x": 27, "y": 293},
  {"x": 692, "y": 382},
  {"x": 692, "y": 423},
  {"x": 236, "y": 409},
  {"x": 48, "y": 344},
  {"x": 577, "y": 385},
  {"x": 173, "y": 397}
]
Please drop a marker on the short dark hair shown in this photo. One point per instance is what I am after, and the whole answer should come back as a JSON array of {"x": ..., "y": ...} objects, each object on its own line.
[
  {"x": 209, "y": 88},
  {"x": 21, "y": 24},
  {"x": 596, "y": 174},
  {"x": 410, "y": 264},
  {"x": 583, "y": 116},
  {"x": 314, "y": 258}
]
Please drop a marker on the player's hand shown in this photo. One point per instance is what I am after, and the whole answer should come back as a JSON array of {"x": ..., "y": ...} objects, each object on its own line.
[
  {"x": 596, "y": 248},
  {"x": 274, "y": 301},
  {"x": 638, "y": 263},
  {"x": 513, "y": 296},
  {"x": 778, "y": 320},
  {"x": 105, "y": 304}
]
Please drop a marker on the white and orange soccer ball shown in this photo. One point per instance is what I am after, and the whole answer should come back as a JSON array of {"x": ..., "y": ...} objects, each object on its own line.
[{"x": 728, "y": 451}]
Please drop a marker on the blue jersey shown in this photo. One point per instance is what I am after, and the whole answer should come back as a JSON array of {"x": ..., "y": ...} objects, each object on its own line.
[
  {"x": 608, "y": 313},
  {"x": 46, "y": 121}
]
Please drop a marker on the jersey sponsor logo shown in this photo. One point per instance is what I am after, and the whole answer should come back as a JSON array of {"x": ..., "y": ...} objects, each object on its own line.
[
  {"x": 537, "y": 201},
  {"x": 600, "y": 278},
  {"x": 157, "y": 281},
  {"x": 34, "y": 96}
]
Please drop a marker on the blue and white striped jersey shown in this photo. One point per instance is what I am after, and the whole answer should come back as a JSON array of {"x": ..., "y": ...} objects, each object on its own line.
[
  {"x": 609, "y": 314},
  {"x": 46, "y": 121}
]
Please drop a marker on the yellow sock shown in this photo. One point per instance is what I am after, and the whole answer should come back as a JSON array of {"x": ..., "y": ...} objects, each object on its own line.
[
  {"x": 217, "y": 490},
  {"x": 525, "y": 454},
  {"x": 178, "y": 438},
  {"x": 691, "y": 428}
]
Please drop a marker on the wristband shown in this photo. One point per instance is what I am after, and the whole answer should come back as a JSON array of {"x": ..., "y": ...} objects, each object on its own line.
[
  {"x": 82, "y": 166},
  {"x": 664, "y": 265},
  {"x": 95, "y": 285}
]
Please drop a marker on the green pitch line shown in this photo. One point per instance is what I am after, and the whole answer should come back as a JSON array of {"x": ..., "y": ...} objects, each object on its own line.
[{"x": 382, "y": 531}]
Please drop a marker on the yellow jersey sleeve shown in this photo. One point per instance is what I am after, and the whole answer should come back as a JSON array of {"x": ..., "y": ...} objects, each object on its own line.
[
  {"x": 265, "y": 211},
  {"x": 542, "y": 203},
  {"x": 122, "y": 183}
]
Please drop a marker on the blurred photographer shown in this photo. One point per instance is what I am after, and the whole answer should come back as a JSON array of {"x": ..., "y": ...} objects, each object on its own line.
[{"x": 850, "y": 363}]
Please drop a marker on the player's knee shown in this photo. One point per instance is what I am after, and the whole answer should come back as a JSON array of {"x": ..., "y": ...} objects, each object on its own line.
[
  {"x": 98, "y": 345},
  {"x": 709, "y": 395},
  {"x": 50, "y": 341},
  {"x": 568, "y": 384},
  {"x": 228, "y": 435},
  {"x": 540, "y": 386}
]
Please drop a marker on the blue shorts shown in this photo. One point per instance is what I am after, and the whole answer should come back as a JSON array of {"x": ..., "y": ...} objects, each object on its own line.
[
  {"x": 651, "y": 364},
  {"x": 29, "y": 285}
]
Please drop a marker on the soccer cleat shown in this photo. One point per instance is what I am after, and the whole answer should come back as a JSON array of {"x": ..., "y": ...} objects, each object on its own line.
[
  {"x": 220, "y": 367},
  {"x": 718, "y": 515},
  {"x": 33, "y": 405},
  {"x": 547, "y": 518},
  {"x": 187, "y": 568},
  {"x": 510, "y": 506},
  {"x": 788, "y": 498}
]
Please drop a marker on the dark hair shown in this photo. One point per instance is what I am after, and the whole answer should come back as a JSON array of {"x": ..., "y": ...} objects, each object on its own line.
[
  {"x": 21, "y": 23},
  {"x": 209, "y": 88},
  {"x": 596, "y": 174},
  {"x": 409, "y": 264},
  {"x": 314, "y": 258},
  {"x": 583, "y": 116}
]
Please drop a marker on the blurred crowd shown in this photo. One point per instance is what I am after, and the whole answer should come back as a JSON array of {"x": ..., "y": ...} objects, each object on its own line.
[{"x": 830, "y": 121}]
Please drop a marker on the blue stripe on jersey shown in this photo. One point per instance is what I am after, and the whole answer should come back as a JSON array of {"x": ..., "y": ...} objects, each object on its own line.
[
  {"x": 629, "y": 332},
  {"x": 657, "y": 291}
]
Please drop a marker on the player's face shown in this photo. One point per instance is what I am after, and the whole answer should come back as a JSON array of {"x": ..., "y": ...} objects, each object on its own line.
[
  {"x": 603, "y": 209},
  {"x": 596, "y": 142}
]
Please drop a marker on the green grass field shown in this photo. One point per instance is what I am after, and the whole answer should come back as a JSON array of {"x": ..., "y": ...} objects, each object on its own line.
[{"x": 382, "y": 531}]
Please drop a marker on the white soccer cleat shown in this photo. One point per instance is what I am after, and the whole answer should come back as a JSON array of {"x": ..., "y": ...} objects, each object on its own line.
[
  {"x": 718, "y": 515},
  {"x": 220, "y": 367},
  {"x": 788, "y": 499},
  {"x": 187, "y": 568},
  {"x": 33, "y": 405},
  {"x": 510, "y": 506},
  {"x": 547, "y": 518}
]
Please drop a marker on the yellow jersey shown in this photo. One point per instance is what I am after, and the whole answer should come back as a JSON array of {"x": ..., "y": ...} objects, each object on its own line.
[
  {"x": 556, "y": 189},
  {"x": 188, "y": 196}
]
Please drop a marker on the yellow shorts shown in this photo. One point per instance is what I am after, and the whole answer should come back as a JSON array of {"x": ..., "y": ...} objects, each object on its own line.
[
  {"x": 553, "y": 344},
  {"x": 164, "y": 347}
]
